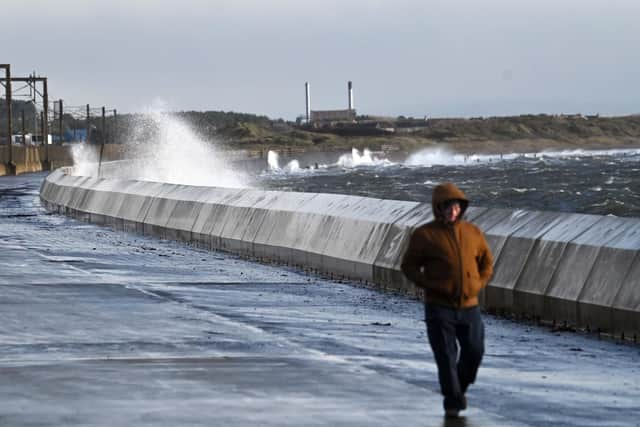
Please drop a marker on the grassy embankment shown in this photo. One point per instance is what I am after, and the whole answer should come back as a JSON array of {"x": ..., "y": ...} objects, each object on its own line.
[
  {"x": 524, "y": 133},
  {"x": 527, "y": 133}
]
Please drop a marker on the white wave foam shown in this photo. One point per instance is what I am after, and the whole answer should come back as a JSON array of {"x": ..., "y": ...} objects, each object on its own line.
[
  {"x": 293, "y": 166},
  {"x": 356, "y": 159},
  {"x": 443, "y": 157},
  {"x": 347, "y": 161},
  {"x": 273, "y": 161},
  {"x": 592, "y": 153},
  {"x": 170, "y": 151},
  {"x": 85, "y": 159}
]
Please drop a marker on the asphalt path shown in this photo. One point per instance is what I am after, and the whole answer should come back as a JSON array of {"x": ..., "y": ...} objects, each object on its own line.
[{"x": 102, "y": 328}]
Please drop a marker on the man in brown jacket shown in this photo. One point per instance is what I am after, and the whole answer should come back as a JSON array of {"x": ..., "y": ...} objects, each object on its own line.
[{"x": 450, "y": 260}]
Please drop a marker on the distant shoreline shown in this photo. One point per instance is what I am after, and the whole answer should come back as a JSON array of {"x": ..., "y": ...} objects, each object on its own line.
[
  {"x": 494, "y": 135},
  {"x": 539, "y": 145},
  {"x": 401, "y": 147}
]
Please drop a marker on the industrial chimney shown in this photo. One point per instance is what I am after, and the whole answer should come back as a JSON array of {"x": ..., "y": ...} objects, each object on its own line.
[
  {"x": 308, "y": 102},
  {"x": 350, "y": 91}
]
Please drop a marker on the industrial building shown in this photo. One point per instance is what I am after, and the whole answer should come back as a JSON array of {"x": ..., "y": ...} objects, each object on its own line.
[{"x": 323, "y": 117}]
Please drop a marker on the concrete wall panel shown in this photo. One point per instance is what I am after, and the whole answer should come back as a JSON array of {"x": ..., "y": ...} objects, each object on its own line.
[
  {"x": 626, "y": 305},
  {"x": 183, "y": 217},
  {"x": 580, "y": 268},
  {"x": 135, "y": 207},
  {"x": 492, "y": 217},
  {"x": 290, "y": 236},
  {"x": 509, "y": 222},
  {"x": 354, "y": 242},
  {"x": 514, "y": 254},
  {"x": 543, "y": 259},
  {"x": 628, "y": 297},
  {"x": 244, "y": 214},
  {"x": 576, "y": 263},
  {"x": 209, "y": 218},
  {"x": 210, "y": 221},
  {"x": 160, "y": 210},
  {"x": 68, "y": 190},
  {"x": 386, "y": 269},
  {"x": 580, "y": 255},
  {"x": 308, "y": 226},
  {"x": 486, "y": 221},
  {"x": 326, "y": 209},
  {"x": 498, "y": 293},
  {"x": 610, "y": 269},
  {"x": 283, "y": 228},
  {"x": 608, "y": 275}
]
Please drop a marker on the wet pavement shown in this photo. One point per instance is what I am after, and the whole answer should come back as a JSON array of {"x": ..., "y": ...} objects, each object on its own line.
[{"x": 99, "y": 327}]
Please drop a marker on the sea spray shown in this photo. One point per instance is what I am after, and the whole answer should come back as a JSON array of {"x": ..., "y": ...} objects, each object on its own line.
[
  {"x": 443, "y": 157},
  {"x": 356, "y": 159},
  {"x": 293, "y": 166},
  {"x": 272, "y": 161},
  {"x": 273, "y": 164},
  {"x": 352, "y": 160},
  {"x": 179, "y": 156},
  {"x": 168, "y": 150},
  {"x": 85, "y": 159}
]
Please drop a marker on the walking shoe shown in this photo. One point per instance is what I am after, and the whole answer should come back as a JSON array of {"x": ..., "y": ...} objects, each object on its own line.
[{"x": 451, "y": 413}]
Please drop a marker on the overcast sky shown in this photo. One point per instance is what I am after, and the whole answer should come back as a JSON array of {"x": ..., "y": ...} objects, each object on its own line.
[{"x": 405, "y": 57}]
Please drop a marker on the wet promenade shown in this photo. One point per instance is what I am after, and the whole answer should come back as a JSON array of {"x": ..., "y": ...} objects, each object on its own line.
[{"x": 102, "y": 328}]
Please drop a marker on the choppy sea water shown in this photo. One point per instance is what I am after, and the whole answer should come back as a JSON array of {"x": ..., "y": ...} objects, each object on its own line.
[{"x": 594, "y": 182}]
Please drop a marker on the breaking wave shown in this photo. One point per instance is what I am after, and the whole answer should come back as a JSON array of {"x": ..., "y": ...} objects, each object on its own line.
[{"x": 443, "y": 157}]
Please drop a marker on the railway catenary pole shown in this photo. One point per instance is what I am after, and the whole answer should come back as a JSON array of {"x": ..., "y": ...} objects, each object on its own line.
[
  {"x": 114, "y": 128},
  {"x": 7, "y": 87},
  {"x": 31, "y": 80},
  {"x": 103, "y": 125},
  {"x": 60, "y": 130},
  {"x": 42, "y": 125},
  {"x": 24, "y": 129},
  {"x": 45, "y": 125},
  {"x": 102, "y": 142},
  {"x": 88, "y": 129}
]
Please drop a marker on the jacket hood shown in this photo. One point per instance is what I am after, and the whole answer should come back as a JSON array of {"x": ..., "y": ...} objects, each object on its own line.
[{"x": 444, "y": 192}]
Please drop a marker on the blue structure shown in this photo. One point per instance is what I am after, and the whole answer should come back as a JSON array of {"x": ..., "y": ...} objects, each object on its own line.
[{"x": 74, "y": 135}]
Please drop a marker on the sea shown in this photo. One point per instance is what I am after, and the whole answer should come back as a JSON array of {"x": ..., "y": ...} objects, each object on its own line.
[{"x": 601, "y": 182}]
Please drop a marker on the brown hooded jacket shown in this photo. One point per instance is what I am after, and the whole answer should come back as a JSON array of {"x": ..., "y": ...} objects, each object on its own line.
[{"x": 451, "y": 262}]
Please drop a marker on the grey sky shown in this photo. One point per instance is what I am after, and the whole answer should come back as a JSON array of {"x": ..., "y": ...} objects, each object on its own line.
[{"x": 410, "y": 57}]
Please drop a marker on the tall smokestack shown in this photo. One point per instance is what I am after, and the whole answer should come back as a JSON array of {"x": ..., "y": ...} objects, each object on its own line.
[
  {"x": 350, "y": 89},
  {"x": 308, "y": 101}
]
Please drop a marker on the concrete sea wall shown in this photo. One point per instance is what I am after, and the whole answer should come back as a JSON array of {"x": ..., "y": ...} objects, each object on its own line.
[
  {"x": 28, "y": 158},
  {"x": 580, "y": 269}
]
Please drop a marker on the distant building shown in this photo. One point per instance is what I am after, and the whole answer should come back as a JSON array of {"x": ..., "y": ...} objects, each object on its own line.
[
  {"x": 18, "y": 140},
  {"x": 324, "y": 116}
]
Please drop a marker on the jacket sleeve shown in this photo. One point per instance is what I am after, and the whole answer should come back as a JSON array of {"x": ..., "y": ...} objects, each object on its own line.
[
  {"x": 485, "y": 261},
  {"x": 413, "y": 260}
]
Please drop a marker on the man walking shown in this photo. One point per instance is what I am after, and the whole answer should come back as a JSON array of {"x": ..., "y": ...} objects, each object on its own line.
[{"x": 450, "y": 260}]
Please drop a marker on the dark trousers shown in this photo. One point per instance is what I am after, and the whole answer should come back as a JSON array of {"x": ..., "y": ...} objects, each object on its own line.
[{"x": 450, "y": 330}]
